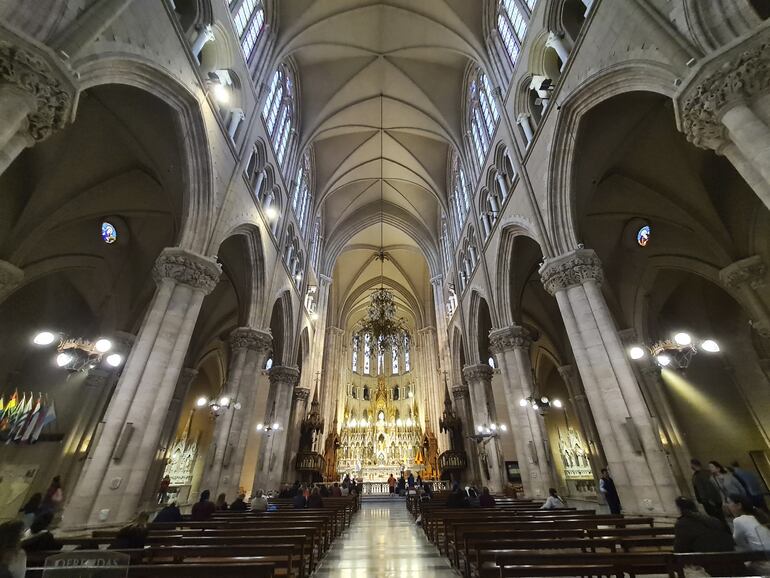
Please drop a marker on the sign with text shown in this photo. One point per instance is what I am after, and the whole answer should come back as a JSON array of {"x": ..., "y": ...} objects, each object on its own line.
[{"x": 87, "y": 564}]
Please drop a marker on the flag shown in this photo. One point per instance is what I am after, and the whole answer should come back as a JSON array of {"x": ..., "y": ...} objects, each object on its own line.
[
  {"x": 25, "y": 433},
  {"x": 44, "y": 420},
  {"x": 20, "y": 418},
  {"x": 5, "y": 420}
]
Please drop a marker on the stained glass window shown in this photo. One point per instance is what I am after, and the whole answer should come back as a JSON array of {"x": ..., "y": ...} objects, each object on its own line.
[
  {"x": 109, "y": 233},
  {"x": 367, "y": 354},
  {"x": 407, "y": 362},
  {"x": 356, "y": 341},
  {"x": 643, "y": 236},
  {"x": 394, "y": 359}
]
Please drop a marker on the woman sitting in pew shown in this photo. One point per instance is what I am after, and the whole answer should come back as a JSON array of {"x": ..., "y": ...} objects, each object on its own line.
[
  {"x": 239, "y": 504},
  {"x": 203, "y": 509},
  {"x": 258, "y": 502},
  {"x": 696, "y": 532},
  {"x": 221, "y": 503},
  {"x": 315, "y": 500},
  {"x": 554, "y": 501}
]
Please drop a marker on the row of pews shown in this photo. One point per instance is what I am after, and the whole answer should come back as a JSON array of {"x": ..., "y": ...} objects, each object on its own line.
[
  {"x": 279, "y": 542},
  {"x": 516, "y": 539}
]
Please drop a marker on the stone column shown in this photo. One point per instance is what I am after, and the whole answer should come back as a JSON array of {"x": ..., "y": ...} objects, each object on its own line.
[
  {"x": 557, "y": 44},
  {"x": 10, "y": 275},
  {"x": 37, "y": 95},
  {"x": 247, "y": 348},
  {"x": 205, "y": 35},
  {"x": 720, "y": 109},
  {"x": 526, "y": 126},
  {"x": 462, "y": 400},
  {"x": 269, "y": 473},
  {"x": 637, "y": 463},
  {"x": 512, "y": 346},
  {"x": 299, "y": 398},
  {"x": 745, "y": 280},
  {"x": 479, "y": 378},
  {"x": 170, "y": 424},
  {"x": 111, "y": 484},
  {"x": 89, "y": 25},
  {"x": 330, "y": 374}
]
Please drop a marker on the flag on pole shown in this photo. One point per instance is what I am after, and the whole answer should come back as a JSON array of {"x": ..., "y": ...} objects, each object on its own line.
[
  {"x": 22, "y": 414},
  {"x": 5, "y": 421},
  {"x": 47, "y": 418},
  {"x": 25, "y": 433}
]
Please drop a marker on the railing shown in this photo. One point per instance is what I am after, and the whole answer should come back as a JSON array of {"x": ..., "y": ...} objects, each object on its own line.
[
  {"x": 452, "y": 460},
  {"x": 310, "y": 462},
  {"x": 382, "y": 489}
]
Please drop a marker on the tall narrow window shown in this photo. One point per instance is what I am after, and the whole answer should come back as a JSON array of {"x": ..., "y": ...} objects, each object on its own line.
[
  {"x": 512, "y": 26},
  {"x": 356, "y": 342},
  {"x": 279, "y": 112},
  {"x": 459, "y": 188},
  {"x": 407, "y": 359},
  {"x": 367, "y": 354},
  {"x": 380, "y": 358},
  {"x": 394, "y": 359},
  {"x": 249, "y": 19},
  {"x": 483, "y": 114}
]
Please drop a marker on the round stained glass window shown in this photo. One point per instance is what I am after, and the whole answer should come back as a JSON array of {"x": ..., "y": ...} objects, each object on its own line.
[
  {"x": 109, "y": 233},
  {"x": 643, "y": 236}
]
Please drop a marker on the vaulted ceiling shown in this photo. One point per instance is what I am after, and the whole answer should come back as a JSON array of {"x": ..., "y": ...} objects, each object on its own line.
[{"x": 381, "y": 88}]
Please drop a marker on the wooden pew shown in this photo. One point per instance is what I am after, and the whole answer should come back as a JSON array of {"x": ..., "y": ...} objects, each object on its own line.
[
  {"x": 521, "y": 563},
  {"x": 240, "y": 569}
]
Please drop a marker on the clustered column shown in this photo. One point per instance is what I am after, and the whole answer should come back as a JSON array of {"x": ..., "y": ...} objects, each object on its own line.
[
  {"x": 299, "y": 398},
  {"x": 724, "y": 108},
  {"x": 330, "y": 375},
  {"x": 639, "y": 466},
  {"x": 479, "y": 378},
  {"x": 512, "y": 344},
  {"x": 462, "y": 399},
  {"x": 248, "y": 348},
  {"x": 283, "y": 379},
  {"x": 112, "y": 481}
]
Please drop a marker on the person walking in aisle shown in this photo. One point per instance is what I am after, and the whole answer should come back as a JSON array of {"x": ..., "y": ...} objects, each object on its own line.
[
  {"x": 753, "y": 485},
  {"x": 392, "y": 485},
  {"x": 706, "y": 491},
  {"x": 610, "y": 493}
]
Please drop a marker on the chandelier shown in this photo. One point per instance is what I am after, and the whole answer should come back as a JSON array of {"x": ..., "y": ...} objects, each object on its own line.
[
  {"x": 676, "y": 352},
  {"x": 381, "y": 322}
]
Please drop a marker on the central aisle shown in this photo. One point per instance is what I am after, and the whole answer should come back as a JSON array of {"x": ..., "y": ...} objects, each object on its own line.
[{"x": 383, "y": 541}]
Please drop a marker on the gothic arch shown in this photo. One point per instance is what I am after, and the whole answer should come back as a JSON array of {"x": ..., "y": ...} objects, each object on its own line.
[{"x": 510, "y": 231}]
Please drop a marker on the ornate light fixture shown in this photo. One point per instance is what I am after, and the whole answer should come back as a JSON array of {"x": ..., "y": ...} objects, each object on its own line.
[
  {"x": 270, "y": 425},
  {"x": 217, "y": 406},
  {"x": 79, "y": 354},
  {"x": 541, "y": 404},
  {"x": 675, "y": 352}
]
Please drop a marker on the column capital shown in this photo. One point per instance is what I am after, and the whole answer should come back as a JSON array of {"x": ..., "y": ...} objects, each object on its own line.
[
  {"x": 571, "y": 269},
  {"x": 248, "y": 338},
  {"x": 10, "y": 277},
  {"x": 324, "y": 279},
  {"x": 187, "y": 268},
  {"x": 460, "y": 392},
  {"x": 736, "y": 75},
  {"x": 301, "y": 393},
  {"x": 750, "y": 271},
  {"x": 334, "y": 330},
  {"x": 479, "y": 372},
  {"x": 568, "y": 373},
  {"x": 437, "y": 279},
  {"x": 508, "y": 338},
  {"x": 40, "y": 74},
  {"x": 284, "y": 375}
]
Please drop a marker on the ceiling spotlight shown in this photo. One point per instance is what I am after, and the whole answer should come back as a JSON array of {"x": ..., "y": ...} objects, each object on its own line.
[
  {"x": 224, "y": 401},
  {"x": 479, "y": 428},
  {"x": 636, "y": 352},
  {"x": 710, "y": 345},
  {"x": 557, "y": 403},
  {"x": 544, "y": 399},
  {"x": 523, "y": 402},
  {"x": 103, "y": 345},
  {"x": 663, "y": 359},
  {"x": 503, "y": 427},
  {"x": 493, "y": 427},
  {"x": 44, "y": 338},
  {"x": 276, "y": 425},
  {"x": 260, "y": 427},
  {"x": 63, "y": 359},
  {"x": 683, "y": 338},
  {"x": 201, "y": 401},
  {"x": 114, "y": 360}
]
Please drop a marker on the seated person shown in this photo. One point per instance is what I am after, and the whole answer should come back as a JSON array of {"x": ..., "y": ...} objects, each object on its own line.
[
  {"x": 258, "y": 502},
  {"x": 239, "y": 505},
  {"x": 458, "y": 498},
  {"x": 315, "y": 500},
  {"x": 40, "y": 538},
  {"x": 299, "y": 501},
  {"x": 169, "y": 514},
  {"x": 696, "y": 532},
  {"x": 554, "y": 501},
  {"x": 203, "y": 509},
  {"x": 221, "y": 503},
  {"x": 750, "y": 530},
  {"x": 133, "y": 536},
  {"x": 487, "y": 500},
  {"x": 336, "y": 491}
]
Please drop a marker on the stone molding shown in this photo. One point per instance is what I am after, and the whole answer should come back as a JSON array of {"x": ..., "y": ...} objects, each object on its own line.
[
  {"x": 570, "y": 270},
  {"x": 750, "y": 271},
  {"x": 10, "y": 277},
  {"x": 284, "y": 375},
  {"x": 187, "y": 268},
  {"x": 737, "y": 80},
  {"x": 474, "y": 373},
  {"x": 301, "y": 393},
  {"x": 248, "y": 338},
  {"x": 52, "y": 91},
  {"x": 460, "y": 392},
  {"x": 508, "y": 338}
]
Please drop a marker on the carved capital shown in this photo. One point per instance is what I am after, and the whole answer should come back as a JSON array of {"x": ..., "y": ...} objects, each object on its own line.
[
  {"x": 570, "y": 270},
  {"x": 749, "y": 272},
  {"x": 187, "y": 268},
  {"x": 10, "y": 277},
  {"x": 52, "y": 92},
  {"x": 569, "y": 374},
  {"x": 740, "y": 78},
  {"x": 460, "y": 392},
  {"x": 284, "y": 375},
  {"x": 509, "y": 338},
  {"x": 480, "y": 372},
  {"x": 301, "y": 393},
  {"x": 248, "y": 338}
]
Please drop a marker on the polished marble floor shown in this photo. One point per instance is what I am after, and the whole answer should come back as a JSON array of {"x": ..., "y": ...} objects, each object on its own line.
[{"x": 383, "y": 542}]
